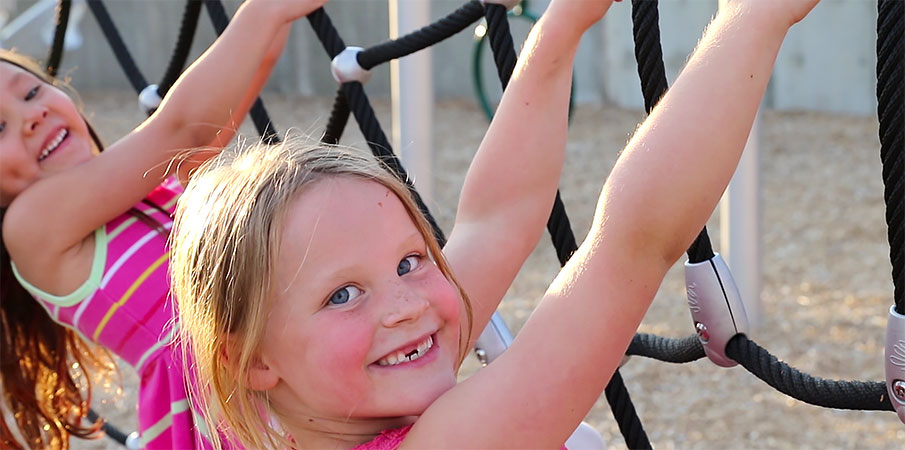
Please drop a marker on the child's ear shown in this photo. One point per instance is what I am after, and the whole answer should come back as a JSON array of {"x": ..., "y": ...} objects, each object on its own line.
[{"x": 260, "y": 376}]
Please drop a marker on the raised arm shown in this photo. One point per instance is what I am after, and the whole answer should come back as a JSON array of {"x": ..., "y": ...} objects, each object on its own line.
[
  {"x": 511, "y": 184},
  {"x": 59, "y": 211},
  {"x": 186, "y": 164},
  {"x": 677, "y": 165}
]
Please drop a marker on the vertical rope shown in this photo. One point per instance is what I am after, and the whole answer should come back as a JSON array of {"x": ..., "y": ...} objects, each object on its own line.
[
  {"x": 59, "y": 37},
  {"x": 890, "y": 103},
  {"x": 649, "y": 55}
]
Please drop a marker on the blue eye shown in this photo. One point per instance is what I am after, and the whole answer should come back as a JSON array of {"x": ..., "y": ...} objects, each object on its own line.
[
  {"x": 343, "y": 295},
  {"x": 32, "y": 93},
  {"x": 408, "y": 264}
]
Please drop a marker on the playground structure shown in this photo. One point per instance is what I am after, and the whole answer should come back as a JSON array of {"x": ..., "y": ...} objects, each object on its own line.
[{"x": 755, "y": 359}]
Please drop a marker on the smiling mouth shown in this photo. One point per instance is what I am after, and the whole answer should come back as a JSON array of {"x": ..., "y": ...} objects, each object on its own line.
[
  {"x": 400, "y": 357},
  {"x": 60, "y": 137}
]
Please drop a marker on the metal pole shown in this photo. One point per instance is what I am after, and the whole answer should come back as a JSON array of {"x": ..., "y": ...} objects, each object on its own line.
[
  {"x": 740, "y": 235},
  {"x": 740, "y": 225},
  {"x": 412, "y": 91}
]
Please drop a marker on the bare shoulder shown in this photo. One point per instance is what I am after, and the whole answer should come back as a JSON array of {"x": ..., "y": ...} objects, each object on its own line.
[{"x": 54, "y": 272}]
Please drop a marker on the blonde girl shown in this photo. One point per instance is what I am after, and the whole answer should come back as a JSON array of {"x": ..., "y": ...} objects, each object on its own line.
[{"x": 321, "y": 311}]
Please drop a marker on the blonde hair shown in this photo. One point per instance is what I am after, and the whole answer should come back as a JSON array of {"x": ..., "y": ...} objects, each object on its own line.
[{"x": 223, "y": 249}]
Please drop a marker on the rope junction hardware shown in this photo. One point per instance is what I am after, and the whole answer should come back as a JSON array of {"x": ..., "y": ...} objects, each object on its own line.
[{"x": 721, "y": 339}]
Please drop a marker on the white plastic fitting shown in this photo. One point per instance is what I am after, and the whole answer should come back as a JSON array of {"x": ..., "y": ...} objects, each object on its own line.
[
  {"x": 149, "y": 99},
  {"x": 345, "y": 67},
  {"x": 133, "y": 441}
]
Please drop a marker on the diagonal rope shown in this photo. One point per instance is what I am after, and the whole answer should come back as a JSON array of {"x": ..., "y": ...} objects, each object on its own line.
[
  {"x": 381, "y": 148},
  {"x": 258, "y": 112},
  {"x": 183, "y": 45},
  {"x": 339, "y": 117},
  {"x": 136, "y": 79}
]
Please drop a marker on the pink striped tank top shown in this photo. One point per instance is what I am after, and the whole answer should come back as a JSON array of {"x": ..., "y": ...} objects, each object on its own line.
[{"x": 125, "y": 306}]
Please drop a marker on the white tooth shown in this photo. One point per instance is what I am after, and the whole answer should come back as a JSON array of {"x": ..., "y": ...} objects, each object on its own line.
[
  {"x": 54, "y": 143},
  {"x": 401, "y": 357}
]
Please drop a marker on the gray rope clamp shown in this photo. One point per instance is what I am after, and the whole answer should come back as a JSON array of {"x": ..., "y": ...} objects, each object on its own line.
[
  {"x": 494, "y": 340},
  {"x": 345, "y": 67},
  {"x": 716, "y": 307},
  {"x": 895, "y": 361}
]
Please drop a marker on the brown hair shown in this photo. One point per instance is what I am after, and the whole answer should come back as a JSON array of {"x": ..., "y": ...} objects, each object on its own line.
[
  {"x": 223, "y": 252},
  {"x": 45, "y": 368},
  {"x": 41, "y": 362}
]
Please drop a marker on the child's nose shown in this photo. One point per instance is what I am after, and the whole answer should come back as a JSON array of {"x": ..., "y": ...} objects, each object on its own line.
[
  {"x": 34, "y": 117},
  {"x": 405, "y": 306}
]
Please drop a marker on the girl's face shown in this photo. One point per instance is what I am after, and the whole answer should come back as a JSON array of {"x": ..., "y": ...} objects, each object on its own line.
[
  {"x": 41, "y": 131},
  {"x": 363, "y": 324}
]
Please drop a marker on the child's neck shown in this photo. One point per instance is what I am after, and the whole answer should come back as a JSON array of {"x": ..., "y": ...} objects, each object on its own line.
[{"x": 309, "y": 433}]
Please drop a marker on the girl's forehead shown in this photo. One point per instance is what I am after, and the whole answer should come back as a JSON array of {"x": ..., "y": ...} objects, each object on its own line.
[
  {"x": 11, "y": 74},
  {"x": 341, "y": 210},
  {"x": 342, "y": 229},
  {"x": 347, "y": 200}
]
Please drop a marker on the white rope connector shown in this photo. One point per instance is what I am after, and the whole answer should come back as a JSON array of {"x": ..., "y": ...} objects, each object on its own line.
[
  {"x": 133, "y": 441},
  {"x": 149, "y": 99},
  {"x": 895, "y": 361},
  {"x": 509, "y": 4},
  {"x": 345, "y": 67}
]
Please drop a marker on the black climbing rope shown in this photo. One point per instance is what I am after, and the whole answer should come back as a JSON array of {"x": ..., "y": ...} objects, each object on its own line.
[
  {"x": 860, "y": 395},
  {"x": 258, "y": 112},
  {"x": 649, "y": 55},
  {"x": 890, "y": 104},
  {"x": 561, "y": 230},
  {"x": 136, "y": 79},
  {"x": 59, "y": 37},
  {"x": 422, "y": 38},
  {"x": 339, "y": 117},
  {"x": 183, "y": 45}
]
